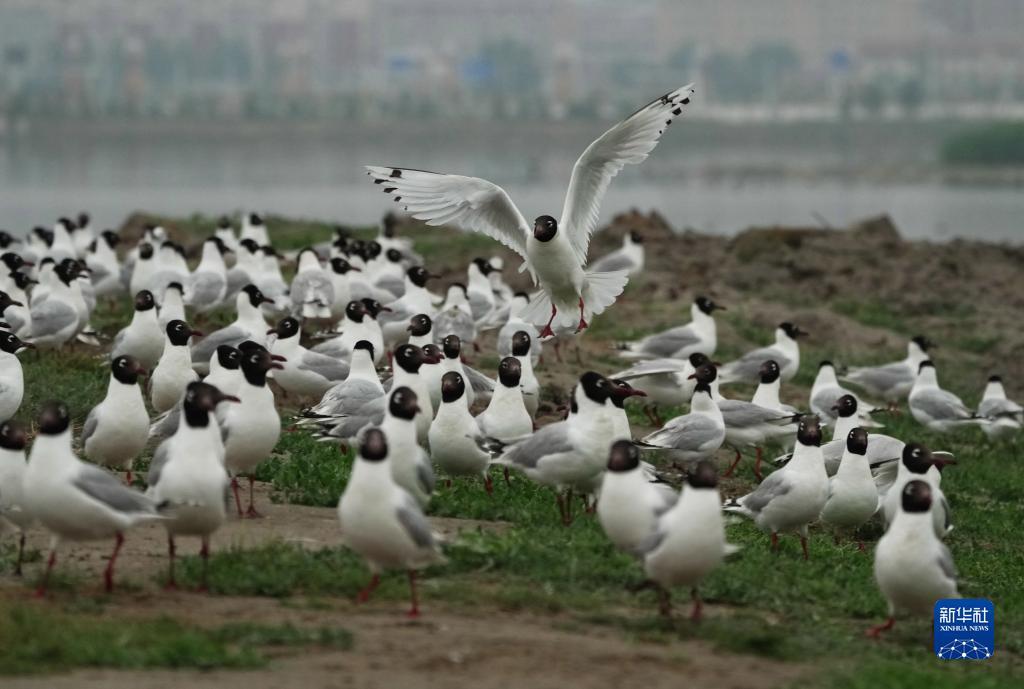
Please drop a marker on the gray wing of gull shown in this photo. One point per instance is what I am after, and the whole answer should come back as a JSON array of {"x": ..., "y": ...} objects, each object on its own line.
[
  {"x": 347, "y": 396},
  {"x": 668, "y": 342},
  {"x": 478, "y": 381},
  {"x": 312, "y": 287},
  {"x": 651, "y": 543},
  {"x": 108, "y": 489},
  {"x": 613, "y": 261},
  {"x": 349, "y": 423},
  {"x": 653, "y": 367},
  {"x": 160, "y": 457},
  {"x": 881, "y": 377},
  {"x": 454, "y": 322},
  {"x": 748, "y": 366},
  {"x": 332, "y": 348},
  {"x": 52, "y": 316},
  {"x": 205, "y": 288},
  {"x": 945, "y": 561},
  {"x": 740, "y": 414},
  {"x": 237, "y": 279},
  {"x": 166, "y": 424},
  {"x": 993, "y": 408},
  {"x": 327, "y": 366},
  {"x": 89, "y": 427},
  {"x": 400, "y": 312},
  {"x": 415, "y": 524},
  {"x": 425, "y": 475},
  {"x": 941, "y": 405},
  {"x": 232, "y": 335},
  {"x": 549, "y": 440},
  {"x": 479, "y": 306},
  {"x": 772, "y": 487},
  {"x": 693, "y": 432}
]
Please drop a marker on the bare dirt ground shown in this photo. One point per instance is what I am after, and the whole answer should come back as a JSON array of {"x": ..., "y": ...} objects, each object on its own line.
[{"x": 444, "y": 649}]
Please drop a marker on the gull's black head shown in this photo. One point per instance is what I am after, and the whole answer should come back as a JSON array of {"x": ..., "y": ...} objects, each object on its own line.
[
  {"x": 923, "y": 342},
  {"x": 144, "y": 300},
  {"x": 366, "y": 346},
  {"x": 178, "y": 333},
  {"x": 388, "y": 224},
  {"x": 11, "y": 343},
  {"x": 53, "y": 418},
  {"x": 374, "y": 446},
  {"x": 250, "y": 245},
  {"x": 175, "y": 286},
  {"x": 845, "y": 406},
  {"x": 255, "y": 365},
  {"x": 67, "y": 224},
  {"x": 287, "y": 327},
  {"x": 224, "y": 223},
  {"x": 393, "y": 255},
  {"x": 145, "y": 251},
  {"x": 452, "y": 346},
  {"x": 371, "y": 250},
  {"x": 83, "y": 219},
  {"x": 452, "y": 386},
  {"x": 6, "y": 301},
  {"x": 918, "y": 459},
  {"x": 510, "y": 371},
  {"x": 705, "y": 374},
  {"x": 432, "y": 354},
  {"x": 769, "y": 371},
  {"x": 792, "y": 330},
  {"x": 340, "y": 266},
  {"x": 809, "y": 430},
  {"x": 228, "y": 357},
  {"x": 995, "y": 379},
  {"x": 355, "y": 311},
  {"x": 403, "y": 403},
  {"x": 44, "y": 235},
  {"x": 255, "y": 295},
  {"x": 823, "y": 364},
  {"x": 222, "y": 248},
  {"x": 704, "y": 475},
  {"x": 247, "y": 346},
  {"x": 857, "y": 441},
  {"x": 12, "y": 260},
  {"x": 707, "y": 305},
  {"x": 545, "y": 228},
  {"x": 621, "y": 390},
  {"x": 409, "y": 358},
  {"x": 204, "y": 398},
  {"x": 67, "y": 271},
  {"x": 373, "y": 307},
  {"x": 697, "y": 360},
  {"x": 126, "y": 369},
  {"x": 520, "y": 343},
  {"x": 636, "y": 237},
  {"x": 420, "y": 325},
  {"x": 22, "y": 280},
  {"x": 623, "y": 456},
  {"x": 111, "y": 238},
  {"x": 926, "y": 364},
  {"x": 595, "y": 386},
  {"x": 916, "y": 497},
  {"x": 483, "y": 266},
  {"x": 418, "y": 276},
  {"x": 6, "y": 239},
  {"x": 255, "y": 219},
  {"x": 13, "y": 435}
]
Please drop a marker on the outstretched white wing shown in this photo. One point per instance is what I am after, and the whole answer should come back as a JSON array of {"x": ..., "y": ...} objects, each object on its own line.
[
  {"x": 468, "y": 202},
  {"x": 628, "y": 142}
]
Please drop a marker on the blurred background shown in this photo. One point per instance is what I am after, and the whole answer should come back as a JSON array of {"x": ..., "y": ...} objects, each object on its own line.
[{"x": 807, "y": 112}]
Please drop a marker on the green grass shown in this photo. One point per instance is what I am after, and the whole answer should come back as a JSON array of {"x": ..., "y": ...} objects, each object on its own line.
[
  {"x": 774, "y": 606},
  {"x": 37, "y": 640}
]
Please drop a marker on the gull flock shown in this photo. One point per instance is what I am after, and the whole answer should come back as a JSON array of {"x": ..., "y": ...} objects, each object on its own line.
[{"x": 381, "y": 364}]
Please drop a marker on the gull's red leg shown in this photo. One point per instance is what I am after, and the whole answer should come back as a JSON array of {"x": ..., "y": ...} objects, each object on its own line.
[
  {"x": 41, "y": 591},
  {"x": 171, "y": 584},
  {"x": 251, "y": 513},
  {"x": 414, "y": 611},
  {"x": 877, "y": 630},
  {"x": 547, "y": 331},
  {"x": 238, "y": 500},
  {"x": 698, "y": 606},
  {"x": 757, "y": 466},
  {"x": 108, "y": 573},
  {"x": 732, "y": 467},
  {"x": 364, "y": 595},
  {"x": 583, "y": 323}
]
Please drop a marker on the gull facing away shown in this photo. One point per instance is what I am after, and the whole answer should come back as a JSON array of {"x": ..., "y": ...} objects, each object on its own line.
[
  {"x": 1006, "y": 415},
  {"x": 631, "y": 502},
  {"x": 913, "y": 568},
  {"x": 629, "y": 257},
  {"x": 785, "y": 352},
  {"x": 554, "y": 252}
]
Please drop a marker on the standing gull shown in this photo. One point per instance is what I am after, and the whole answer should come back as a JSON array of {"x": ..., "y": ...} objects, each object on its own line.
[
  {"x": 116, "y": 430},
  {"x": 699, "y": 335},
  {"x": 892, "y": 382},
  {"x": 785, "y": 352},
  {"x": 935, "y": 408}
]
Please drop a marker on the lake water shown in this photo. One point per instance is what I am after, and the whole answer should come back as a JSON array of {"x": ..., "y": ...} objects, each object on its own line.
[{"x": 321, "y": 177}]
